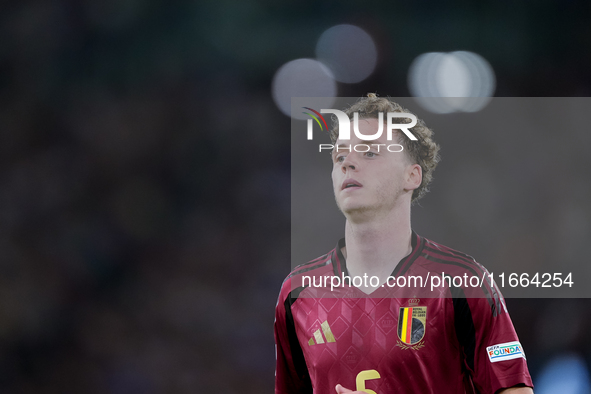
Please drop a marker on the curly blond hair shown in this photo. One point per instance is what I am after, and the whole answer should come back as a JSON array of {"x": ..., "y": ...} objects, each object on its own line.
[{"x": 424, "y": 151}]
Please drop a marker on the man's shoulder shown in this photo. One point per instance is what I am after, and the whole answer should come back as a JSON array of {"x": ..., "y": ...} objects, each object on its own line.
[
  {"x": 444, "y": 257},
  {"x": 318, "y": 267},
  {"x": 462, "y": 271}
]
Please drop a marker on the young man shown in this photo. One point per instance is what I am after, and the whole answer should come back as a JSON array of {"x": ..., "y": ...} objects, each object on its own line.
[{"x": 379, "y": 338}]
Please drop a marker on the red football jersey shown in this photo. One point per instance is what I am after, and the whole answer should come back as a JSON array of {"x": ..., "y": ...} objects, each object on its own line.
[{"x": 397, "y": 340}]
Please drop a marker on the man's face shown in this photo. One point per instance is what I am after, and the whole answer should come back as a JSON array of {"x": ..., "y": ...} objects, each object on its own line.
[{"x": 372, "y": 181}]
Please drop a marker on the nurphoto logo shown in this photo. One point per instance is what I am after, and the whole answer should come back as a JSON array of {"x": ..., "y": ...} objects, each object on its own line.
[{"x": 345, "y": 129}]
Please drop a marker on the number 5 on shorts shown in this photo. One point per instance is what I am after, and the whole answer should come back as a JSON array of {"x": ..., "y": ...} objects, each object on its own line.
[{"x": 363, "y": 376}]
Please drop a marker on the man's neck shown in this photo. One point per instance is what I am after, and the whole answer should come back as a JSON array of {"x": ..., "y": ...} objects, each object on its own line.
[{"x": 376, "y": 247}]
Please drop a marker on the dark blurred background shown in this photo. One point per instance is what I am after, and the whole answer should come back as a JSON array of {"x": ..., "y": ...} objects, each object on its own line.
[{"x": 145, "y": 178}]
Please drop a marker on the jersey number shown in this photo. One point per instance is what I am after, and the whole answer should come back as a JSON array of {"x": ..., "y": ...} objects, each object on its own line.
[{"x": 363, "y": 376}]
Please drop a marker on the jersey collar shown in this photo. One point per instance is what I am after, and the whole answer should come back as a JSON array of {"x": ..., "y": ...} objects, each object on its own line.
[{"x": 340, "y": 264}]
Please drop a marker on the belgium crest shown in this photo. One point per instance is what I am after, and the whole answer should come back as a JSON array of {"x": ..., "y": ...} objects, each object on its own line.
[{"x": 412, "y": 322}]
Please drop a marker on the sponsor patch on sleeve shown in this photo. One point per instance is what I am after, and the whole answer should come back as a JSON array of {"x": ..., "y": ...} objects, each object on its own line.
[{"x": 505, "y": 351}]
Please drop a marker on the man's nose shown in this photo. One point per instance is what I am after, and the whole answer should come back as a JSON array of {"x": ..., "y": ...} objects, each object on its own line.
[{"x": 349, "y": 163}]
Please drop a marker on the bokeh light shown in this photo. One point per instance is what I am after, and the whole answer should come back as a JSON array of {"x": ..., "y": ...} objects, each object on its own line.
[
  {"x": 348, "y": 51},
  {"x": 302, "y": 78},
  {"x": 451, "y": 82},
  {"x": 565, "y": 374}
]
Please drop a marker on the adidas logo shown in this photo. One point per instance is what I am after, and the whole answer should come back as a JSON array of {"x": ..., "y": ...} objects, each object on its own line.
[{"x": 317, "y": 338}]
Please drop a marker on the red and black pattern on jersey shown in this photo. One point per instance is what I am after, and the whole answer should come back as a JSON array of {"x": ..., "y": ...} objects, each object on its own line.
[
  {"x": 319, "y": 262},
  {"x": 415, "y": 345},
  {"x": 456, "y": 263}
]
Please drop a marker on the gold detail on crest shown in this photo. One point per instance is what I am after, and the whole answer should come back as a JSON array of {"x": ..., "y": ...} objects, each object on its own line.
[
  {"x": 409, "y": 318},
  {"x": 405, "y": 346}
]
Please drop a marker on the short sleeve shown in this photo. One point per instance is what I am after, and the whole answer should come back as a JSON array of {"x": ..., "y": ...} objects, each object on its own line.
[
  {"x": 492, "y": 351},
  {"x": 291, "y": 372}
]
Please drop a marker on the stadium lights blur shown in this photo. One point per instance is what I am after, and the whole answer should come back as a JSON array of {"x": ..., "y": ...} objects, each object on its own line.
[
  {"x": 348, "y": 51},
  {"x": 345, "y": 53},
  {"x": 459, "y": 81},
  {"x": 564, "y": 374},
  {"x": 303, "y": 78}
]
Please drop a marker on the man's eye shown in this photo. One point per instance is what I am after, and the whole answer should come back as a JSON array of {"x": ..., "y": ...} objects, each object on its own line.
[
  {"x": 340, "y": 159},
  {"x": 370, "y": 154}
]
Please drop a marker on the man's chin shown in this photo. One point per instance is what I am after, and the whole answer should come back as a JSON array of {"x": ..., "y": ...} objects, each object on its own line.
[{"x": 354, "y": 209}]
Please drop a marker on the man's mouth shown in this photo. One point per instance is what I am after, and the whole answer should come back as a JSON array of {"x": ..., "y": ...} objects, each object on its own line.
[{"x": 350, "y": 183}]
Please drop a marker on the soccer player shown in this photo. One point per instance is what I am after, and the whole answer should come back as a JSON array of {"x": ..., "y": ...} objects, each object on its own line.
[{"x": 381, "y": 337}]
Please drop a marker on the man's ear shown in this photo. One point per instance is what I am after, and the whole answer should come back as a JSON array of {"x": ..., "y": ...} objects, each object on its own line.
[{"x": 414, "y": 177}]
